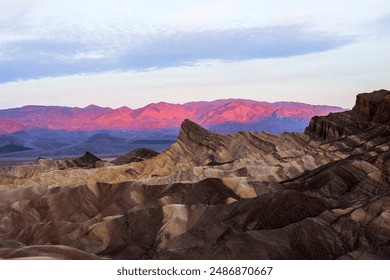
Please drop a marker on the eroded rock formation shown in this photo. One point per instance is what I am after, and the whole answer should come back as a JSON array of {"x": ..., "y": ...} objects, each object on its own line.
[
  {"x": 371, "y": 110},
  {"x": 323, "y": 194}
]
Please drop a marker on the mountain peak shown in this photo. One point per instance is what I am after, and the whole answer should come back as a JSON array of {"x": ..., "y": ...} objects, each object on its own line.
[
  {"x": 190, "y": 130},
  {"x": 92, "y": 106},
  {"x": 188, "y": 124},
  {"x": 87, "y": 159}
]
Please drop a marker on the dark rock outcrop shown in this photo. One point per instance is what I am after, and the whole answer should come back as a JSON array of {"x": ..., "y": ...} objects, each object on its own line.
[
  {"x": 88, "y": 160},
  {"x": 371, "y": 109},
  {"x": 135, "y": 156}
]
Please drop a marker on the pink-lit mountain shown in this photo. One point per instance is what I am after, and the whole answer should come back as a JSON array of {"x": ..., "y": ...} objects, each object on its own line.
[{"x": 221, "y": 115}]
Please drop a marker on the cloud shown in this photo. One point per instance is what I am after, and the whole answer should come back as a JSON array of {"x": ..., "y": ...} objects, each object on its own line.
[
  {"x": 203, "y": 12},
  {"x": 237, "y": 44},
  {"x": 84, "y": 53},
  {"x": 382, "y": 26},
  {"x": 13, "y": 8}
]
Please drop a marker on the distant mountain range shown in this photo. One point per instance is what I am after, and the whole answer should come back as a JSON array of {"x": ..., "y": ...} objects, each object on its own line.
[
  {"x": 228, "y": 115},
  {"x": 63, "y": 132}
]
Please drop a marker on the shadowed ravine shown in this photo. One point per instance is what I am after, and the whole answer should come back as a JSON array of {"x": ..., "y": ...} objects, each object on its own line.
[{"x": 322, "y": 194}]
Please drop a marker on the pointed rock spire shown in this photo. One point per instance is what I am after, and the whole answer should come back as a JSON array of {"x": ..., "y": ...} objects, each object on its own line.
[{"x": 191, "y": 131}]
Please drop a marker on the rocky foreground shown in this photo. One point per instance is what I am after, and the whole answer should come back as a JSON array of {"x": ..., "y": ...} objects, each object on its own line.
[{"x": 322, "y": 194}]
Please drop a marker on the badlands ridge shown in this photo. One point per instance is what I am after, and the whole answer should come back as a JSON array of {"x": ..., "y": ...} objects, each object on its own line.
[{"x": 322, "y": 194}]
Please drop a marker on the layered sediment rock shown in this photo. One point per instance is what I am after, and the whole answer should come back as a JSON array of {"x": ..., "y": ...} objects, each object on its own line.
[{"x": 371, "y": 109}]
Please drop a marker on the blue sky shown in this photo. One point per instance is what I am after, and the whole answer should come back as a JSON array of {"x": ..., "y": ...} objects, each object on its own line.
[{"x": 116, "y": 53}]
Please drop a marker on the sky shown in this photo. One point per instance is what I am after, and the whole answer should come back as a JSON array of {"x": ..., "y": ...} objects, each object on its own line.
[{"x": 131, "y": 53}]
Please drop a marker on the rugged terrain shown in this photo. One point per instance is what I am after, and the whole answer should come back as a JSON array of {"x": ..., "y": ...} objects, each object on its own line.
[
  {"x": 322, "y": 194},
  {"x": 63, "y": 132}
]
